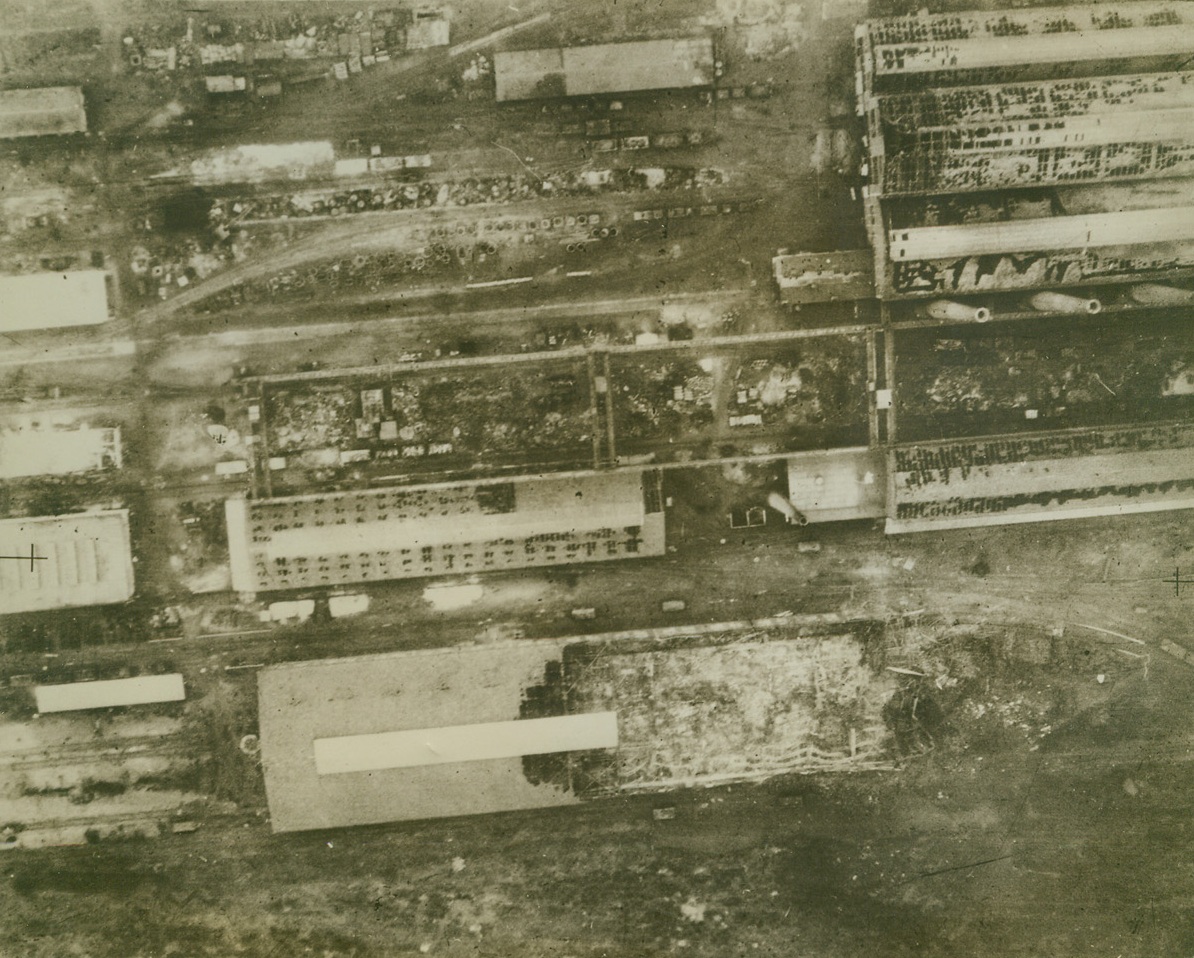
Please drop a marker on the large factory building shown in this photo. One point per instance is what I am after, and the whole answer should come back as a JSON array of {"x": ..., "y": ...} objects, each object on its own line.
[
  {"x": 448, "y": 529},
  {"x": 1029, "y": 149}
]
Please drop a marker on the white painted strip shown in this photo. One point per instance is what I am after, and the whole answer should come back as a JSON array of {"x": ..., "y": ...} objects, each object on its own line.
[
  {"x": 142, "y": 690},
  {"x": 465, "y": 743},
  {"x": 1123, "y": 228},
  {"x": 236, "y": 513},
  {"x": 500, "y": 282}
]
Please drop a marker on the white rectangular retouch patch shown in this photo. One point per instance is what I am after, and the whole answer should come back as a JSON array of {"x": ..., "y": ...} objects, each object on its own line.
[{"x": 465, "y": 743}]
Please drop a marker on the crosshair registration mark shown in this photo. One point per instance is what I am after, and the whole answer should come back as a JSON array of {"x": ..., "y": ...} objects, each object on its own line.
[
  {"x": 32, "y": 557},
  {"x": 1178, "y": 581}
]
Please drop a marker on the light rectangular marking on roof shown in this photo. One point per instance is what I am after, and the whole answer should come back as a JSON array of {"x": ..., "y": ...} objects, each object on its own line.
[{"x": 465, "y": 743}]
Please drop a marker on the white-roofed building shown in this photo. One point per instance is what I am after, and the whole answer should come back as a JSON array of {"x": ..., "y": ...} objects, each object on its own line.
[
  {"x": 66, "y": 561},
  {"x": 45, "y": 111},
  {"x": 110, "y": 693},
  {"x": 53, "y": 300},
  {"x": 604, "y": 68},
  {"x": 38, "y": 449}
]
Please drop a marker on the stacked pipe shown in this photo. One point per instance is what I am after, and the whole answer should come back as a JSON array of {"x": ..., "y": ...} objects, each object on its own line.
[
  {"x": 1154, "y": 294},
  {"x": 957, "y": 312},
  {"x": 1065, "y": 303}
]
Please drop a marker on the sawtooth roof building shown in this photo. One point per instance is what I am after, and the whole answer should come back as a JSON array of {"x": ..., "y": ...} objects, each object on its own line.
[
  {"x": 604, "y": 68},
  {"x": 65, "y": 561},
  {"x": 45, "y": 111},
  {"x": 449, "y": 529}
]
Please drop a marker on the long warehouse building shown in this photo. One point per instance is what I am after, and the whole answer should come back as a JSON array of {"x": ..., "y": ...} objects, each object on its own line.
[
  {"x": 1127, "y": 228},
  {"x": 604, "y": 68},
  {"x": 1001, "y": 136},
  {"x": 1069, "y": 474},
  {"x": 451, "y": 529},
  {"x": 1155, "y": 144}
]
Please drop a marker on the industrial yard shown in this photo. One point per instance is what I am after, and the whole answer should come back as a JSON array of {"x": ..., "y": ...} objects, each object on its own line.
[{"x": 615, "y": 479}]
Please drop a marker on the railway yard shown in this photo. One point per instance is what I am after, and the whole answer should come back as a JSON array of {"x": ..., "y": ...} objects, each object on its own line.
[{"x": 595, "y": 479}]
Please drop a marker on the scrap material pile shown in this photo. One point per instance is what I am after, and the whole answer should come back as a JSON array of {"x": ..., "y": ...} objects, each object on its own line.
[
  {"x": 468, "y": 192},
  {"x": 313, "y": 418},
  {"x": 665, "y": 397},
  {"x": 204, "y": 43},
  {"x": 1064, "y": 384},
  {"x": 364, "y": 271},
  {"x": 801, "y": 396},
  {"x": 742, "y": 706},
  {"x": 494, "y": 413},
  {"x": 801, "y": 386}
]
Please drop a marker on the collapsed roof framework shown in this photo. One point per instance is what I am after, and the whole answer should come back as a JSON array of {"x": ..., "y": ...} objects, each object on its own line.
[
  {"x": 1018, "y": 153},
  {"x": 929, "y": 136},
  {"x": 947, "y": 107},
  {"x": 900, "y": 53}
]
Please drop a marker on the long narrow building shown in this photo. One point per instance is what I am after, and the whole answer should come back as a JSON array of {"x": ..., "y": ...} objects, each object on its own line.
[
  {"x": 642, "y": 65},
  {"x": 1070, "y": 474},
  {"x": 447, "y": 529}
]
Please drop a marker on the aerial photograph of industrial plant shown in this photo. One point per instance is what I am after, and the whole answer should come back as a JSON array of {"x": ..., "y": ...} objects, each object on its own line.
[{"x": 596, "y": 478}]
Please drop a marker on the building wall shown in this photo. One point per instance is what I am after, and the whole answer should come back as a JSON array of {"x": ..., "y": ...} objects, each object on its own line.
[{"x": 32, "y": 451}]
